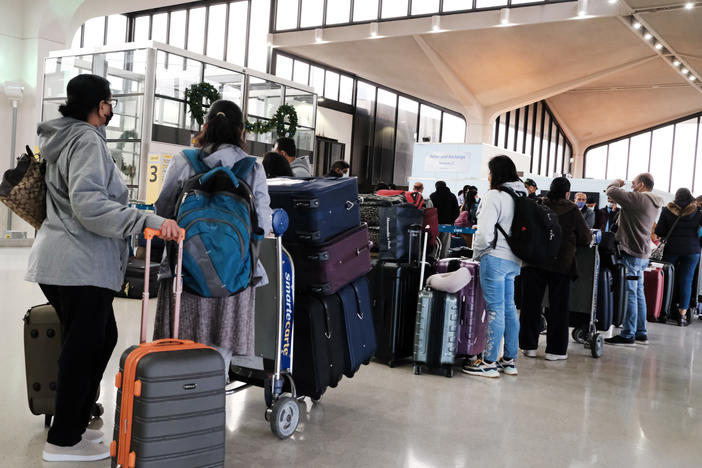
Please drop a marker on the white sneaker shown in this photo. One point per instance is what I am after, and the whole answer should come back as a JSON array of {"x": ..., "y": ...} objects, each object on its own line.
[
  {"x": 94, "y": 436},
  {"x": 507, "y": 367},
  {"x": 483, "y": 369},
  {"x": 556, "y": 357},
  {"x": 82, "y": 451},
  {"x": 529, "y": 352}
]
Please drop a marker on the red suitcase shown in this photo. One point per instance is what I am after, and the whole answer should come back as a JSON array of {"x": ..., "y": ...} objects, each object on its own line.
[
  {"x": 653, "y": 290},
  {"x": 472, "y": 314}
]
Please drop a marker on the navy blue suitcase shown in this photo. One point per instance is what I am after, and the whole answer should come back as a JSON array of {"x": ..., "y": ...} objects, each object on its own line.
[
  {"x": 358, "y": 321},
  {"x": 319, "y": 208}
]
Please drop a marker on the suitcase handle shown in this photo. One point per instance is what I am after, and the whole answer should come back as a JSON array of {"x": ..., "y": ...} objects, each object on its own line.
[{"x": 149, "y": 235}]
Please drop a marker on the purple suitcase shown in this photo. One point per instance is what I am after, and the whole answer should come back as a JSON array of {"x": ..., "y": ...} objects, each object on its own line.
[
  {"x": 326, "y": 268},
  {"x": 473, "y": 319}
]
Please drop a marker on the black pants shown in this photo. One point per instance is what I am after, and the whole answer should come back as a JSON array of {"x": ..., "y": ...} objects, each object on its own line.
[
  {"x": 534, "y": 282},
  {"x": 89, "y": 336}
]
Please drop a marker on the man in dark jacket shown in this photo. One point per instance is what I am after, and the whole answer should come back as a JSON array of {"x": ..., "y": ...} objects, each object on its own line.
[
  {"x": 557, "y": 275},
  {"x": 608, "y": 217},
  {"x": 446, "y": 205},
  {"x": 531, "y": 188}
]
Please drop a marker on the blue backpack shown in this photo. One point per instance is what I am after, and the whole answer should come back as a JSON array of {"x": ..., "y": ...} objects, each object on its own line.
[{"x": 216, "y": 208}]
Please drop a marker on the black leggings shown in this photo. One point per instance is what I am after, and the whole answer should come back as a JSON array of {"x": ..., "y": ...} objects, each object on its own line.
[{"x": 89, "y": 337}]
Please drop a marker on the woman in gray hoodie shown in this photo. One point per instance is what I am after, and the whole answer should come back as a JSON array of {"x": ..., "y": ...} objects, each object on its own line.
[{"x": 80, "y": 255}]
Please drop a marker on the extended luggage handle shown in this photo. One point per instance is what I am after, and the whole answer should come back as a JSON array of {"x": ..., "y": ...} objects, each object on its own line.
[
  {"x": 149, "y": 235},
  {"x": 427, "y": 229}
]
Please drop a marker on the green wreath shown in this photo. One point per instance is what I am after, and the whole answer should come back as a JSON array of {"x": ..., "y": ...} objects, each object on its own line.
[
  {"x": 278, "y": 122},
  {"x": 194, "y": 96}
]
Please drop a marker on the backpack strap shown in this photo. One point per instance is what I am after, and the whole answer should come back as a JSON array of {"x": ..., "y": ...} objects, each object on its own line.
[
  {"x": 515, "y": 196},
  {"x": 193, "y": 157}
]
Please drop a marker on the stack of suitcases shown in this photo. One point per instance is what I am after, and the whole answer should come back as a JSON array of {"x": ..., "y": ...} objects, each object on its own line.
[{"x": 334, "y": 330}]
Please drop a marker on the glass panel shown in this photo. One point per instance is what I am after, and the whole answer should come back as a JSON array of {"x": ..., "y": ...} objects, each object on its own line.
[
  {"x": 116, "y": 29},
  {"x": 698, "y": 168},
  {"x": 75, "y": 43},
  {"x": 661, "y": 152},
  {"x": 331, "y": 86},
  {"x": 519, "y": 125},
  {"x": 94, "y": 32},
  {"x": 174, "y": 78},
  {"x": 215, "y": 31},
  {"x": 196, "y": 30},
  {"x": 264, "y": 97},
  {"x": 338, "y": 11},
  {"x": 304, "y": 139},
  {"x": 553, "y": 148},
  {"x": 283, "y": 67},
  {"x": 364, "y": 10},
  {"x": 529, "y": 130},
  {"x": 258, "y": 41},
  {"x": 171, "y": 113},
  {"x": 141, "y": 29},
  {"x": 545, "y": 142},
  {"x": 510, "y": 131},
  {"x": 638, "y": 155},
  {"x": 406, "y": 137},
  {"x": 490, "y": 3},
  {"x": 684, "y": 154},
  {"x": 454, "y": 130},
  {"x": 595, "y": 161},
  {"x": 286, "y": 17},
  {"x": 616, "y": 164},
  {"x": 346, "y": 91},
  {"x": 317, "y": 80},
  {"x": 303, "y": 102},
  {"x": 177, "y": 32},
  {"x": 363, "y": 133},
  {"x": 301, "y": 72},
  {"x": 559, "y": 157},
  {"x": 394, "y": 8},
  {"x": 312, "y": 13},
  {"x": 423, "y": 7},
  {"x": 522, "y": 2},
  {"x": 236, "y": 41},
  {"x": 122, "y": 74},
  {"x": 501, "y": 129},
  {"x": 229, "y": 83},
  {"x": 159, "y": 27},
  {"x": 60, "y": 71},
  {"x": 383, "y": 146},
  {"x": 429, "y": 124},
  {"x": 126, "y": 157},
  {"x": 457, "y": 5}
]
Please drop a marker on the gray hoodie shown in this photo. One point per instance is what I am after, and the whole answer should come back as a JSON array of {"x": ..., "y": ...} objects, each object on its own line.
[
  {"x": 82, "y": 241},
  {"x": 301, "y": 167},
  {"x": 639, "y": 210}
]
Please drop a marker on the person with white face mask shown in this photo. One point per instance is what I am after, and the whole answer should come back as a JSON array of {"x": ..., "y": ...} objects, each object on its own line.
[
  {"x": 588, "y": 214},
  {"x": 339, "y": 169},
  {"x": 608, "y": 217}
]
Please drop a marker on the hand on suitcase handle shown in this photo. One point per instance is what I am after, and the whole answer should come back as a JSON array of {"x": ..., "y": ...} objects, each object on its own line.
[{"x": 150, "y": 233}]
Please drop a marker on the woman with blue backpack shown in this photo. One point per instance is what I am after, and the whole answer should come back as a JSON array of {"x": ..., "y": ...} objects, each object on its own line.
[{"x": 218, "y": 193}]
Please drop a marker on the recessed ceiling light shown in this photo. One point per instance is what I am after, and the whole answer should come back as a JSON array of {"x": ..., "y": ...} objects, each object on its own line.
[
  {"x": 692, "y": 78},
  {"x": 648, "y": 36},
  {"x": 659, "y": 46},
  {"x": 689, "y": 6},
  {"x": 612, "y": 2},
  {"x": 676, "y": 63},
  {"x": 685, "y": 71},
  {"x": 636, "y": 25}
]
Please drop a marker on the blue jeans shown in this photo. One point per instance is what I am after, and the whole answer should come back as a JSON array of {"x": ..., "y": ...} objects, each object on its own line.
[
  {"x": 684, "y": 272},
  {"x": 497, "y": 281},
  {"x": 634, "y": 323}
]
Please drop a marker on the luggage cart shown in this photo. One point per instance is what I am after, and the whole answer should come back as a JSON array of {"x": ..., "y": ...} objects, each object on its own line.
[
  {"x": 275, "y": 376},
  {"x": 587, "y": 334}
]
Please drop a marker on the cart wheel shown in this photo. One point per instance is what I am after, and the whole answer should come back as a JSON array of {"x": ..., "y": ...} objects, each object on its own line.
[
  {"x": 285, "y": 416},
  {"x": 578, "y": 335},
  {"x": 97, "y": 410},
  {"x": 417, "y": 370},
  {"x": 596, "y": 345},
  {"x": 47, "y": 420}
]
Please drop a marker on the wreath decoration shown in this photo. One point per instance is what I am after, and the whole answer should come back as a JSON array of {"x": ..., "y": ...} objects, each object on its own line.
[
  {"x": 194, "y": 97},
  {"x": 282, "y": 127}
]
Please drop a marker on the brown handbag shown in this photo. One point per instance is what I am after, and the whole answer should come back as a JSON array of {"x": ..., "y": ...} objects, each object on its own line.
[{"x": 23, "y": 189}]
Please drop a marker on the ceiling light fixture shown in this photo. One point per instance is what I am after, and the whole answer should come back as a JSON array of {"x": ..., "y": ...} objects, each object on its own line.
[
  {"x": 692, "y": 78},
  {"x": 676, "y": 63},
  {"x": 636, "y": 25},
  {"x": 685, "y": 71},
  {"x": 612, "y": 2},
  {"x": 582, "y": 8},
  {"x": 659, "y": 46},
  {"x": 648, "y": 36},
  {"x": 374, "y": 30},
  {"x": 319, "y": 35},
  {"x": 504, "y": 17},
  {"x": 436, "y": 23},
  {"x": 689, "y": 5}
]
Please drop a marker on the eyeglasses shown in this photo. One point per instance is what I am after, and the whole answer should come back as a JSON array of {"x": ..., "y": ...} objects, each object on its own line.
[{"x": 112, "y": 102}]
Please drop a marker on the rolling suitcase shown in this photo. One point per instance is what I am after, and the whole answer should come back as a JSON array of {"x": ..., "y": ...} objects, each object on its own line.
[
  {"x": 370, "y": 214},
  {"x": 653, "y": 290},
  {"x": 605, "y": 300},
  {"x": 320, "y": 344},
  {"x": 395, "y": 237},
  {"x": 621, "y": 293},
  {"x": 582, "y": 292},
  {"x": 133, "y": 286},
  {"x": 319, "y": 209},
  {"x": 358, "y": 325},
  {"x": 435, "y": 332},
  {"x": 170, "y": 409},
  {"x": 473, "y": 318},
  {"x": 668, "y": 287},
  {"x": 330, "y": 266}
]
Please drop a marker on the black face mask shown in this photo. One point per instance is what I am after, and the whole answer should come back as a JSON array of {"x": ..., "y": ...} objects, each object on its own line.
[{"x": 109, "y": 116}]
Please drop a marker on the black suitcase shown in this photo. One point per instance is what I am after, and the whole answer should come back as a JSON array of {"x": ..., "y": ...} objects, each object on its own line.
[
  {"x": 370, "y": 214},
  {"x": 320, "y": 343},
  {"x": 605, "y": 300},
  {"x": 319, "y": 209},
  {"x": 621, "y": 293},
  {"x": 396, "y": 241},
  {"x": 133, "y": 286},
  {"x": 358, "y": 325}
]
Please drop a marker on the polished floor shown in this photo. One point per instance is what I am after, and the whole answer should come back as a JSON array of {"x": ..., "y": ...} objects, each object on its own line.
[{"x": 634, "y": 407}]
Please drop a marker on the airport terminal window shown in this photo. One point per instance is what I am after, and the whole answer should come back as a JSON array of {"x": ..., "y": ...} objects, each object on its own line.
[
  {"x": 671, "y": 152},
  {"x": 533, "y": 130}
]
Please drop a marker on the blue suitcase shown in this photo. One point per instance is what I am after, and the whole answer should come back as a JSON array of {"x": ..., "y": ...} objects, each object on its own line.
[
  {"x": 358, "y": 320},
  {"x": 319, "y": 208}
]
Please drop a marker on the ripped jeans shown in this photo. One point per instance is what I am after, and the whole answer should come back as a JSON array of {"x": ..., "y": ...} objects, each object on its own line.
[{"x": 497, "y": 281}]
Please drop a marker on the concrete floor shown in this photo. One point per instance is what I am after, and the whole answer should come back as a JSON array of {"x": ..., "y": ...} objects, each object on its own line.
[{"x": 634, "y": 407}]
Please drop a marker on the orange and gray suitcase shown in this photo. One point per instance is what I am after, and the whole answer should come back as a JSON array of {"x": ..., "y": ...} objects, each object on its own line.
[{"x": 170, "y": 408}]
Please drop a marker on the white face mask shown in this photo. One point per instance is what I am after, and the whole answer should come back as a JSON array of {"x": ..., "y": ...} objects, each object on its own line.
[{"x": 345, "y": 174}]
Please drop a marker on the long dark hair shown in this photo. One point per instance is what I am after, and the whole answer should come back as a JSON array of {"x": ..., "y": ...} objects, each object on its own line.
[
  {"x": 225, "y": 125},
  {"x": 683, "y": 197},
  {"x": 502, "y": 170},
  {"x": 559, "y": 187},
  {"x": 276, "y": 165},
  {"x": 84, "y": 94}
]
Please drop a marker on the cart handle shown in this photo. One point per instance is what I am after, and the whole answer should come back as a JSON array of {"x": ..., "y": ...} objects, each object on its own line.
[{"x": 150, "y": 233}]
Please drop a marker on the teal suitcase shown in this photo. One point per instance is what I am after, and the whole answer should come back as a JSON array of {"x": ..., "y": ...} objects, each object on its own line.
[{"x": 436, "y": 332}]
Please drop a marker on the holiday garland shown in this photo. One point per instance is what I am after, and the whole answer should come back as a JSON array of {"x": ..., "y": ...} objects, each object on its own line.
[{"x": 284, "y": 122}]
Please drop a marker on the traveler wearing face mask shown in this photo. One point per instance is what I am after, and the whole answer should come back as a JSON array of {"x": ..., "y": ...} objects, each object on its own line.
[
  {"x": 608, "y": 217},
  {"x": 588, "y": 214},
  {"x": 79, "y": 257},
  {"x": 339, "y": 169}
]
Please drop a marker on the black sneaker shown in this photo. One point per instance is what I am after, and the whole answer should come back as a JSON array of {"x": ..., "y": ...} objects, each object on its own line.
[
  {"x": 642, "y": 340},
  {"x": 619, "y": 340}
]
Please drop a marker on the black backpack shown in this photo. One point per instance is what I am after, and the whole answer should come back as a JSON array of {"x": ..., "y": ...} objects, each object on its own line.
[{"x": 536, "y": 232}]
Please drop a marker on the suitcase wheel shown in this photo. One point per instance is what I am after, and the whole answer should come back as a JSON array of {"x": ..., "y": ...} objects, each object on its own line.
[
  {"x": 417, "y": 369},
  {"x": 284, "y": 417},
  {"x": 47, "y": 420},
  {"x": 578, "y": 335},
  {"x": 97, "y": 410},
  {"x": 596, "y": 345}
]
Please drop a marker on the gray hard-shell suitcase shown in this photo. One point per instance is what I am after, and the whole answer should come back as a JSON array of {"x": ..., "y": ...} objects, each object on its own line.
[
  {"x": 170, "y": 409},
  {"x": 436, "y": 332}
]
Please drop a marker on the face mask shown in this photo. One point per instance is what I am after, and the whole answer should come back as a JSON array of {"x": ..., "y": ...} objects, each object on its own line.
[
  {"x": 109, "y": 116},
  {"x": 609, "y": 205},
  {"x": 580, "y": 204},
  {"x": 345, "y": 174}
]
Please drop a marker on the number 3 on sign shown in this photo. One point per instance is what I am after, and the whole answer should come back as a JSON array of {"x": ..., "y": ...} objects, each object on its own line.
[
  {"x": 153, "y": 173},
  {"x": 153, "y": 180}
]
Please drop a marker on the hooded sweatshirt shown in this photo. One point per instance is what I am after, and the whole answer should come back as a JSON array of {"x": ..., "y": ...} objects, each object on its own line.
[
  {"x": 301, "y": 167},
  {"x": 639, "y": 211},
  {"x": 684, "y": 239},
  {"x": 496, "y": 207},
  {"x": 82, "y": 241}
]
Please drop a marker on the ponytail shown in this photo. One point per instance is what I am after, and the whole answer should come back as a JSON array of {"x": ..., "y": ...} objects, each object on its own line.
[{"x": 225, "y": 125}]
